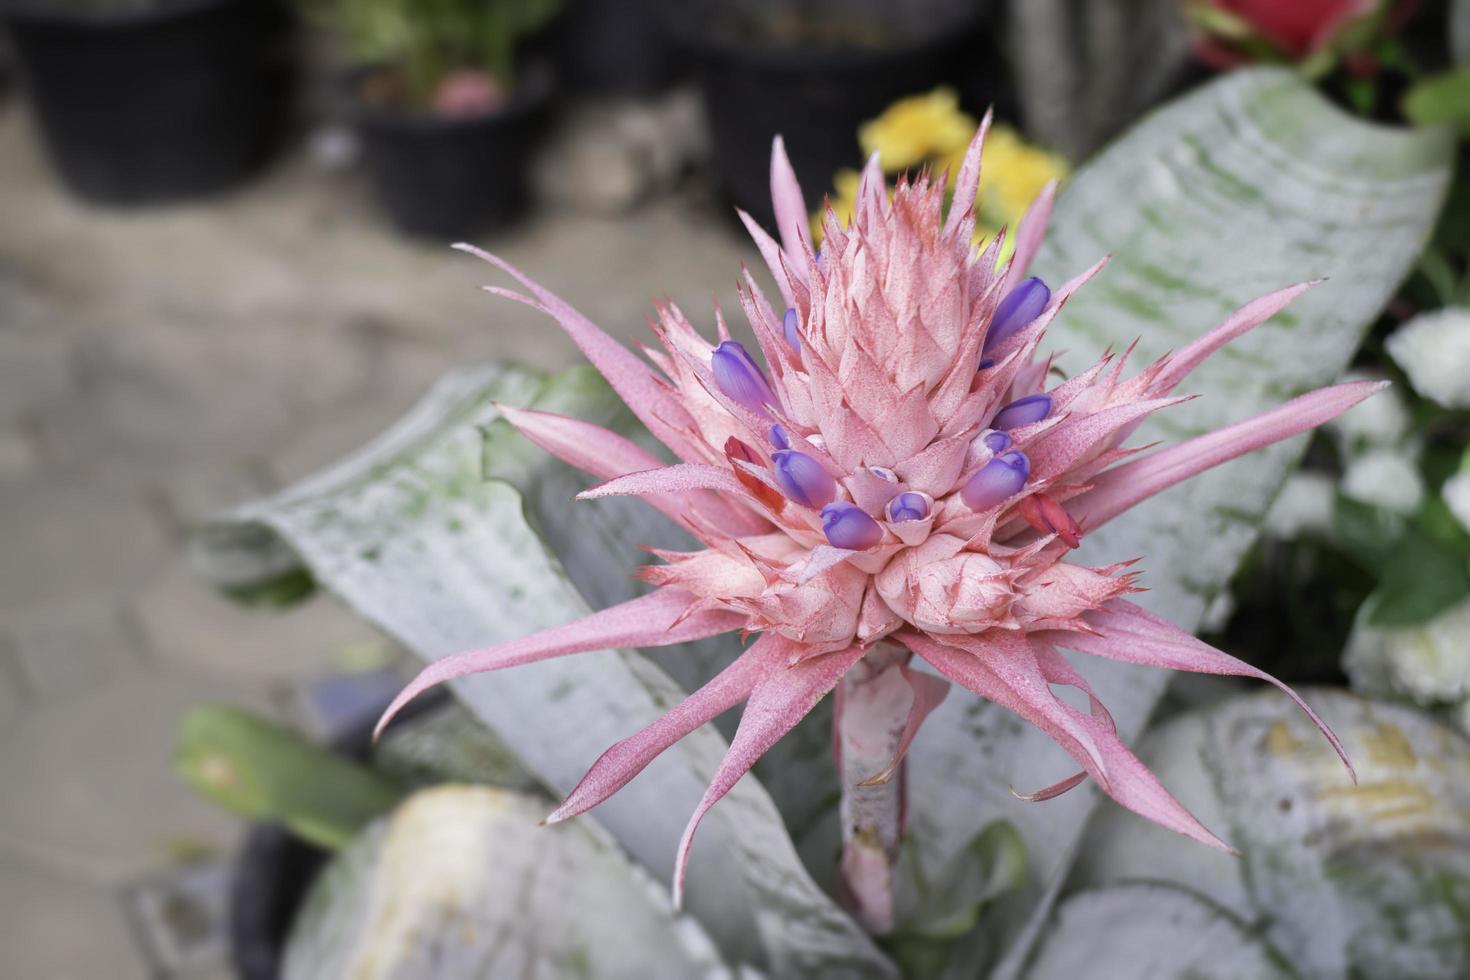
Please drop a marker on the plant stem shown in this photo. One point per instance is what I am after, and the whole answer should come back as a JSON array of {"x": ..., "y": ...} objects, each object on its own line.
[{"x": 873, "y": 704}]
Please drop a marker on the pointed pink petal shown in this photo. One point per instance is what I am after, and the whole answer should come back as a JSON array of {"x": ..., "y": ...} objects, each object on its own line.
[
  {"x": 606, "y": 454},
  {"x": 1133, "y": 635},
  {"x": 1121, "y": 487},
  {"x": 872, "y": 193},
  {"x": 790, "y": 208},
  {"x": 1243, "y": 320},
  {"x": 1053, "y": 791},
  {"x": 967, "y": 181},
  {"x": 633, "y": 380},
  {"x": 619, "y": 764},
  {"x": 771, "y": 252},
  {"x": 779, "y": 700},
  {"x": 929, "y": 691},
  {"x": 1003, "y": 667},
  {"x": 1030, "y": 234},
  {"x": 654, "y": 620},
  {"x": 679, "y": 478}
]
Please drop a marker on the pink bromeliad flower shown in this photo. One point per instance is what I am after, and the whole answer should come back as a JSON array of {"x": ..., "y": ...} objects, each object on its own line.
[{"x": 897, "y": 481}]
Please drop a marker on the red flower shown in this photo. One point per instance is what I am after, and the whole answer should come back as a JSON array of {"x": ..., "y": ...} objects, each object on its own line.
[{"x": 1234, "y": 31}]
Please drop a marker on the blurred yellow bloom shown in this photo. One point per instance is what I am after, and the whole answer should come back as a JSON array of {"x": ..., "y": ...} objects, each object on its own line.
[
  {"x": 917, "y": 128},
  {"x": 931, "y": 130}
]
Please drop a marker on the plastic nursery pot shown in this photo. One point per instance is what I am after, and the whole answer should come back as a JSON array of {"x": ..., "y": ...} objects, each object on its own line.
[
  {"x": 614, "y": 47},
  {"x": 155, "y": 101},
  {"x": 274, "y": 870},
  {"x": 450, "y": 177},
  {"x": 813, "y": 77}
]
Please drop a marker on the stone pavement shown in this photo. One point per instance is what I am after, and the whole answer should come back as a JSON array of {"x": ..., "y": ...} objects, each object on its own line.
[{"x": 156, "y": 365}]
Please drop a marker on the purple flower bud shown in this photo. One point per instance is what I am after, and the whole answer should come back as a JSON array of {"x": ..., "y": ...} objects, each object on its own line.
[
  {"x": 738, "y": 377},
  {"x": 996, "y": 481},
  {"x": 997, "y": 442},
  {"x": 802, "y": 478},
  {"x": 788, "y": 326},
  {"x": 883, "y": 473},
  {"x": 779, "y": 438},
  {"x": 847, "y": 526},
  {"x": 1024, "y": 304},
  {"x": 1022, "y": 411},
  {"x": 908, "y": 506}
]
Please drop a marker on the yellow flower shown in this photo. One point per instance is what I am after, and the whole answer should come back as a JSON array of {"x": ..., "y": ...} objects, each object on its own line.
[{"x": 916, "y": 129}]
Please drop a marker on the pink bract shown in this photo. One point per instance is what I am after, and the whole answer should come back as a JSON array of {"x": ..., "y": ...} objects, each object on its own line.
[{"x": 882, "y": 391}]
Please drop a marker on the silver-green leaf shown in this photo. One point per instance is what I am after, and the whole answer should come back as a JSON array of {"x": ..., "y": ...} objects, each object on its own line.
[
  {"x": 459, "y": 882},
  {"x": 412, "y": 534},
  {"x": 1250, "y": 183}
]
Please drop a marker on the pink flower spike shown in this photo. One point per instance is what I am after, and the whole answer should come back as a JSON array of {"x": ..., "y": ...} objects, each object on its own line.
[
  {"x": 1121, "y": 487},
  {"x": 619, "y": 764},
  {"x": 776, "y": 704},
  {"x": 1005, "y": 670},
  {"x": 870, "y": 486},
  {"x": 790, "y": 208},
  {"x": 661, "y": 618},
  {"x": 1131, "y": 634},
  {"x": 1030, "y": 234}
]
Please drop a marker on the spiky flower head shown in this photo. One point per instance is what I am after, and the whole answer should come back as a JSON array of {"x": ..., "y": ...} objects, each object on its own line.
[{"x": 892, "y": 474}]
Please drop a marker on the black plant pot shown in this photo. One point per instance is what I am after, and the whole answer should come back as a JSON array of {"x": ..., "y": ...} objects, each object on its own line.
[
  {"x": 815, "y": 93},
  {"x": 444, "y": 177},
  {"x": 173, "y": 100},
  {"x": 614, "y": 47}
]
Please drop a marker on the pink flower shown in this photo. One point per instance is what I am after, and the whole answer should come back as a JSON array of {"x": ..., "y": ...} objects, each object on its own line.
[{"x": 869, "y": 495}]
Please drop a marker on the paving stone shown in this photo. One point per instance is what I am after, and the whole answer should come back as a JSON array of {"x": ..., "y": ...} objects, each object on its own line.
[
  {"x": 56, "y": 928},
  {"x": 18, "y": 457},
  {"x": 34, "y": 367},
  {"x": 188, "y": 625},
  {"x": 63, "y": 539},
  {"x": 81, "y": 646},
  {"x": 13, "y": 690},
  {"x": 90, "y": 787}
]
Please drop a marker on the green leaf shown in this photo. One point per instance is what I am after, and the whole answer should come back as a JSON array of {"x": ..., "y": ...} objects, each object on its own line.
[
  {"x": 1370, "y": 534},
  {"x": 1442, "y": 99},
  {"x": 1421, "y": 580},
  {"x": 411, "y": 534},
  {"x": 460, "y": 882},
  {"x": 1247, "y": 184},
  {"x": 944, "y": 913},
  {"x": 264, "y": 771}
]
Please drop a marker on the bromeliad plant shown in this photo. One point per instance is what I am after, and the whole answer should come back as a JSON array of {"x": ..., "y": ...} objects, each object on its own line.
[{"x": 903, "y": 478}]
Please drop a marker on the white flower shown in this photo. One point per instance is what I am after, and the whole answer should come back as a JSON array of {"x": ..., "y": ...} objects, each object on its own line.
[
  {"x": 1456, "y": 493},
  {"x": 1385, "y": 478},
  {"x": 1434, "y": 351},
  {"x": 1429, "y": 664},
  {"x": 1303, "y": 506},
  {"x": 1378, "y": 421}
]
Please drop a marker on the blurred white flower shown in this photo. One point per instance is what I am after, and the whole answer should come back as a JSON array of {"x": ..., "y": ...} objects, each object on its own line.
[
  {"x": 1304, "y": 505},
  {"x": 1429, "y": 664},
  {"x": 1385, "y": 478},
  {"x": 1434, "y": 351},
  {"x": 1456, "y": 493},
  {"x": 1374, "y": 422}
]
